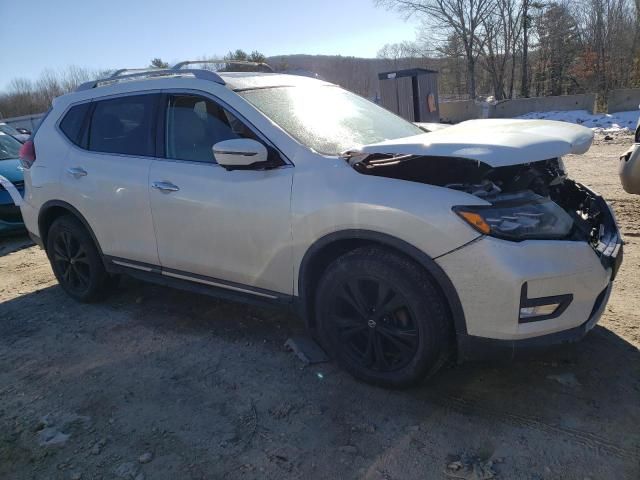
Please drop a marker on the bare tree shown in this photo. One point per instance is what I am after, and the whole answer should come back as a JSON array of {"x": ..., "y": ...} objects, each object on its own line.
[
  {"x": 463, "y": 18},
  {"x": 397, "y": 52},
  {"x": 609, "y": 32},
  {"x": 502, "y": 31},
  {"x": 557, "y": 50}
]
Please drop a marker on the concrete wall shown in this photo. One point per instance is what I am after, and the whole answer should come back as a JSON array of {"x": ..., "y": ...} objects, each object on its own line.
[
  {"x": 461, "y": 110},
  {"x": 520, "y": 106},
  {"x": 623, "y": 100},
  {"x": 30, "y": 122}
]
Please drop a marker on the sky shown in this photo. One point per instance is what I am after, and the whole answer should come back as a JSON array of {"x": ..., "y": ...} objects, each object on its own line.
[{"x": 105, "y": 34}]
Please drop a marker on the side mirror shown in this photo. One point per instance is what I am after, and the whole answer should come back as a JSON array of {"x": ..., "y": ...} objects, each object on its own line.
[{"x": 239, "y": 153}]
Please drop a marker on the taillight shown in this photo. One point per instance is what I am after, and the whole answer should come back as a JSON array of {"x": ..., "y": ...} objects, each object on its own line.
[{"x": 27, "y": 154}]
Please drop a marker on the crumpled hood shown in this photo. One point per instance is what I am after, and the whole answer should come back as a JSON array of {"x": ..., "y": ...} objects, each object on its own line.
[{"x": 496, "y": 142}]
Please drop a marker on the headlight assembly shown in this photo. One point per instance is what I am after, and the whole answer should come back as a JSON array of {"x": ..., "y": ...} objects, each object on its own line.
[{"x": 519, "y": 216}]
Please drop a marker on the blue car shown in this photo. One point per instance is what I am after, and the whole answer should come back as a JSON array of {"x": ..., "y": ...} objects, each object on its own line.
[{"x": 10, "y": 216}]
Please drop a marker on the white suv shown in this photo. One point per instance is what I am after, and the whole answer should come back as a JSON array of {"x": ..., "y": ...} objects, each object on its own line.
[{"x": 399, "y": 247}]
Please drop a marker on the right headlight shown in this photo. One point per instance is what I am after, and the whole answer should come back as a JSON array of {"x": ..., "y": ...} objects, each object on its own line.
[{"x": 517, "y": 217}]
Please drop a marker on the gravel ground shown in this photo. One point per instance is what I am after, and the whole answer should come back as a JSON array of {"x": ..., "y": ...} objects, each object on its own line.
[{"x": 161, "y": 384}]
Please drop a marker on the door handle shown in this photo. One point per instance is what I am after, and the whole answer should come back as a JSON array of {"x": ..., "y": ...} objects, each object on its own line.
[
  {"x": 165, "y": 186},
  {"x": 77, "y": 172}
]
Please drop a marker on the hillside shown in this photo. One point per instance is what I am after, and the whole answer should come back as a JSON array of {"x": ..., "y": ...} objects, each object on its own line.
[{"x": 359, "y": 75}]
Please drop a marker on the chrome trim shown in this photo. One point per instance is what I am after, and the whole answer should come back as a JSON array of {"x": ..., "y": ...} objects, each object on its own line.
[
  {"x": 131, "y": 265},
  {"x": 216, "y": 284},
  {"x": 229, "y": 152},
  {"x": 77, "y": 172},
  {"x": 165, "y": 186}
]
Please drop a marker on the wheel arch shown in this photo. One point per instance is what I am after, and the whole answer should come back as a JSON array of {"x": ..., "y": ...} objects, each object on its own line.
[
  {"x": 331, "y": 246},
  {"x": 54, "y": 209}
]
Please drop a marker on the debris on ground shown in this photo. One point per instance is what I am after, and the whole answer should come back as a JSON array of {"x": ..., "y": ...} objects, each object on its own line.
[
  {"x": 281, "y": 411},
  {"x": 126, "y": 471},
  {"x": 96, "y": 448},
  {"x": 306, "y": 350},
  {"x": 470, "y": 467},
  {"x": 145, "y": 457},
  {"x": 566, "y": 379},
  {"x": 351, "y": 449},
  {"x": 56, "y": 431},
  {"x": 51, "y": 436}
]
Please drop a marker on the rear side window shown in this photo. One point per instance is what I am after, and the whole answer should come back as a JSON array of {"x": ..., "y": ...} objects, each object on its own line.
[
  {"x": 124, "y": 125},
  {"x": 73, "y": 122}
]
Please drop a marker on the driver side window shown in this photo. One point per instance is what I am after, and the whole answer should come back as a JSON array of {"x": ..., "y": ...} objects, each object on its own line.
[{"x": 195, "y": 124}]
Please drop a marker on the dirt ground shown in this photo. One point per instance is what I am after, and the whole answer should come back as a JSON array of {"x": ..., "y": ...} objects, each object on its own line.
[{"x": 162, "y": 384}]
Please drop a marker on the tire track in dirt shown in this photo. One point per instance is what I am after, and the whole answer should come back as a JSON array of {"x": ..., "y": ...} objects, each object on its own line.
[{"x": 585, "y": 439}]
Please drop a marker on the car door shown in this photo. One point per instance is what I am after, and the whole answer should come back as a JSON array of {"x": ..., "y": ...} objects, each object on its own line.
[
  {"x": 229, "y": 229},
  {"x": 106, "y": 172}
]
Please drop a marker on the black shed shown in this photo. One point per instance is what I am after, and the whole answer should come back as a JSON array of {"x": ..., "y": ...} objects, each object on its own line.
[{"x": 411, "y": 93}]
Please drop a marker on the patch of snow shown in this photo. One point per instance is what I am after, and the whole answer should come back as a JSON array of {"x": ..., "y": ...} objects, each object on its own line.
[{"x": 599, "y": 122}]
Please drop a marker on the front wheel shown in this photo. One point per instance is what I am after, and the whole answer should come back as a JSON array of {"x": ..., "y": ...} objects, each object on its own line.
[
  {"x": 75, "y": 260},
  {"x": 382, "y": 318}
]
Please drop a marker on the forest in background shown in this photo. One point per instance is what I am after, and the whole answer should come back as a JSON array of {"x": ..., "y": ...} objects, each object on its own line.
[{"x": 481, "y": 48}]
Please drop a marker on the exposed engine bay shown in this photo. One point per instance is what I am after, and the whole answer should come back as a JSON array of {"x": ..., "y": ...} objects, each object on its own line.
[{"x": 532, "y": 200}]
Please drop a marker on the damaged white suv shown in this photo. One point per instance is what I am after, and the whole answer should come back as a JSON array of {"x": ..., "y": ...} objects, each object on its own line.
[{"x": 399, "y": 247}]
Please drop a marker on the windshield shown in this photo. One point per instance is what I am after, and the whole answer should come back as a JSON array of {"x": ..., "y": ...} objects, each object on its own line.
[
  {"x": 9, "y": 147},
  {"x": 328, "y": 119}
]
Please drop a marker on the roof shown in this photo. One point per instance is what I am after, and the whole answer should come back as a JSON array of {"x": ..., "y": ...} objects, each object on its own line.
[
  {"x": 251, "y": 80},
  {"x": 409, "y": 72}
]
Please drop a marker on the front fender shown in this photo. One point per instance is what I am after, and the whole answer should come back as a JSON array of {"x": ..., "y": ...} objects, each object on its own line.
[{"x": 335, "y": 198}]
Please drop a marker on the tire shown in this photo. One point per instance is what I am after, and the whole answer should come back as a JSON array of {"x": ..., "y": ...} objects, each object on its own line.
[
  {"x": 382, "y": 318},
  {"x": 75, "y": 260}
]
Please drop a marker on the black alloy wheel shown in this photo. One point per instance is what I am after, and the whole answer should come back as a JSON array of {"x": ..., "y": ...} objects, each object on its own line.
[
  {"x": 75, "y": 260},
  {"x": 382, "y": 317},
  {"x": 375, "y": 323},
  {"x": 71, "y": 261}
]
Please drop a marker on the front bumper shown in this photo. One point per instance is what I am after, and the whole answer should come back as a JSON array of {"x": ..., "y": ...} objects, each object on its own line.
[
  {"x": 481, "y": 348},
  {"x": 491, "y": 276}
]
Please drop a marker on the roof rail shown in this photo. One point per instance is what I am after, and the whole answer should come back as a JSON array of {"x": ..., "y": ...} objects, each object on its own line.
[
  {"x": 116, "y": 77},
  {"x": 119, "y": 72},
  {"x": 178, "y": 66}
]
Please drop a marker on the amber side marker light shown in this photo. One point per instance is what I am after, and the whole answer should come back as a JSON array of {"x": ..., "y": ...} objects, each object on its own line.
[{"x": 475, "y": 220}]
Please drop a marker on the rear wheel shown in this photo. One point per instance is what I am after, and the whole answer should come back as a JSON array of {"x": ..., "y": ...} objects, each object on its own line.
[
  {"x": 382, "y": 318},
  {"x": 75, "y": 260}
]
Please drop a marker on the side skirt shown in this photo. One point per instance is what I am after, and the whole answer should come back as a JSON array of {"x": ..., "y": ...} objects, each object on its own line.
[{"x": 197, "y": 283}]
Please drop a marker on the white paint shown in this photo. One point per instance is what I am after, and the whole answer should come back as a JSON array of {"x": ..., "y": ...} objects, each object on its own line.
[{"x": 496, "y": 142}]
